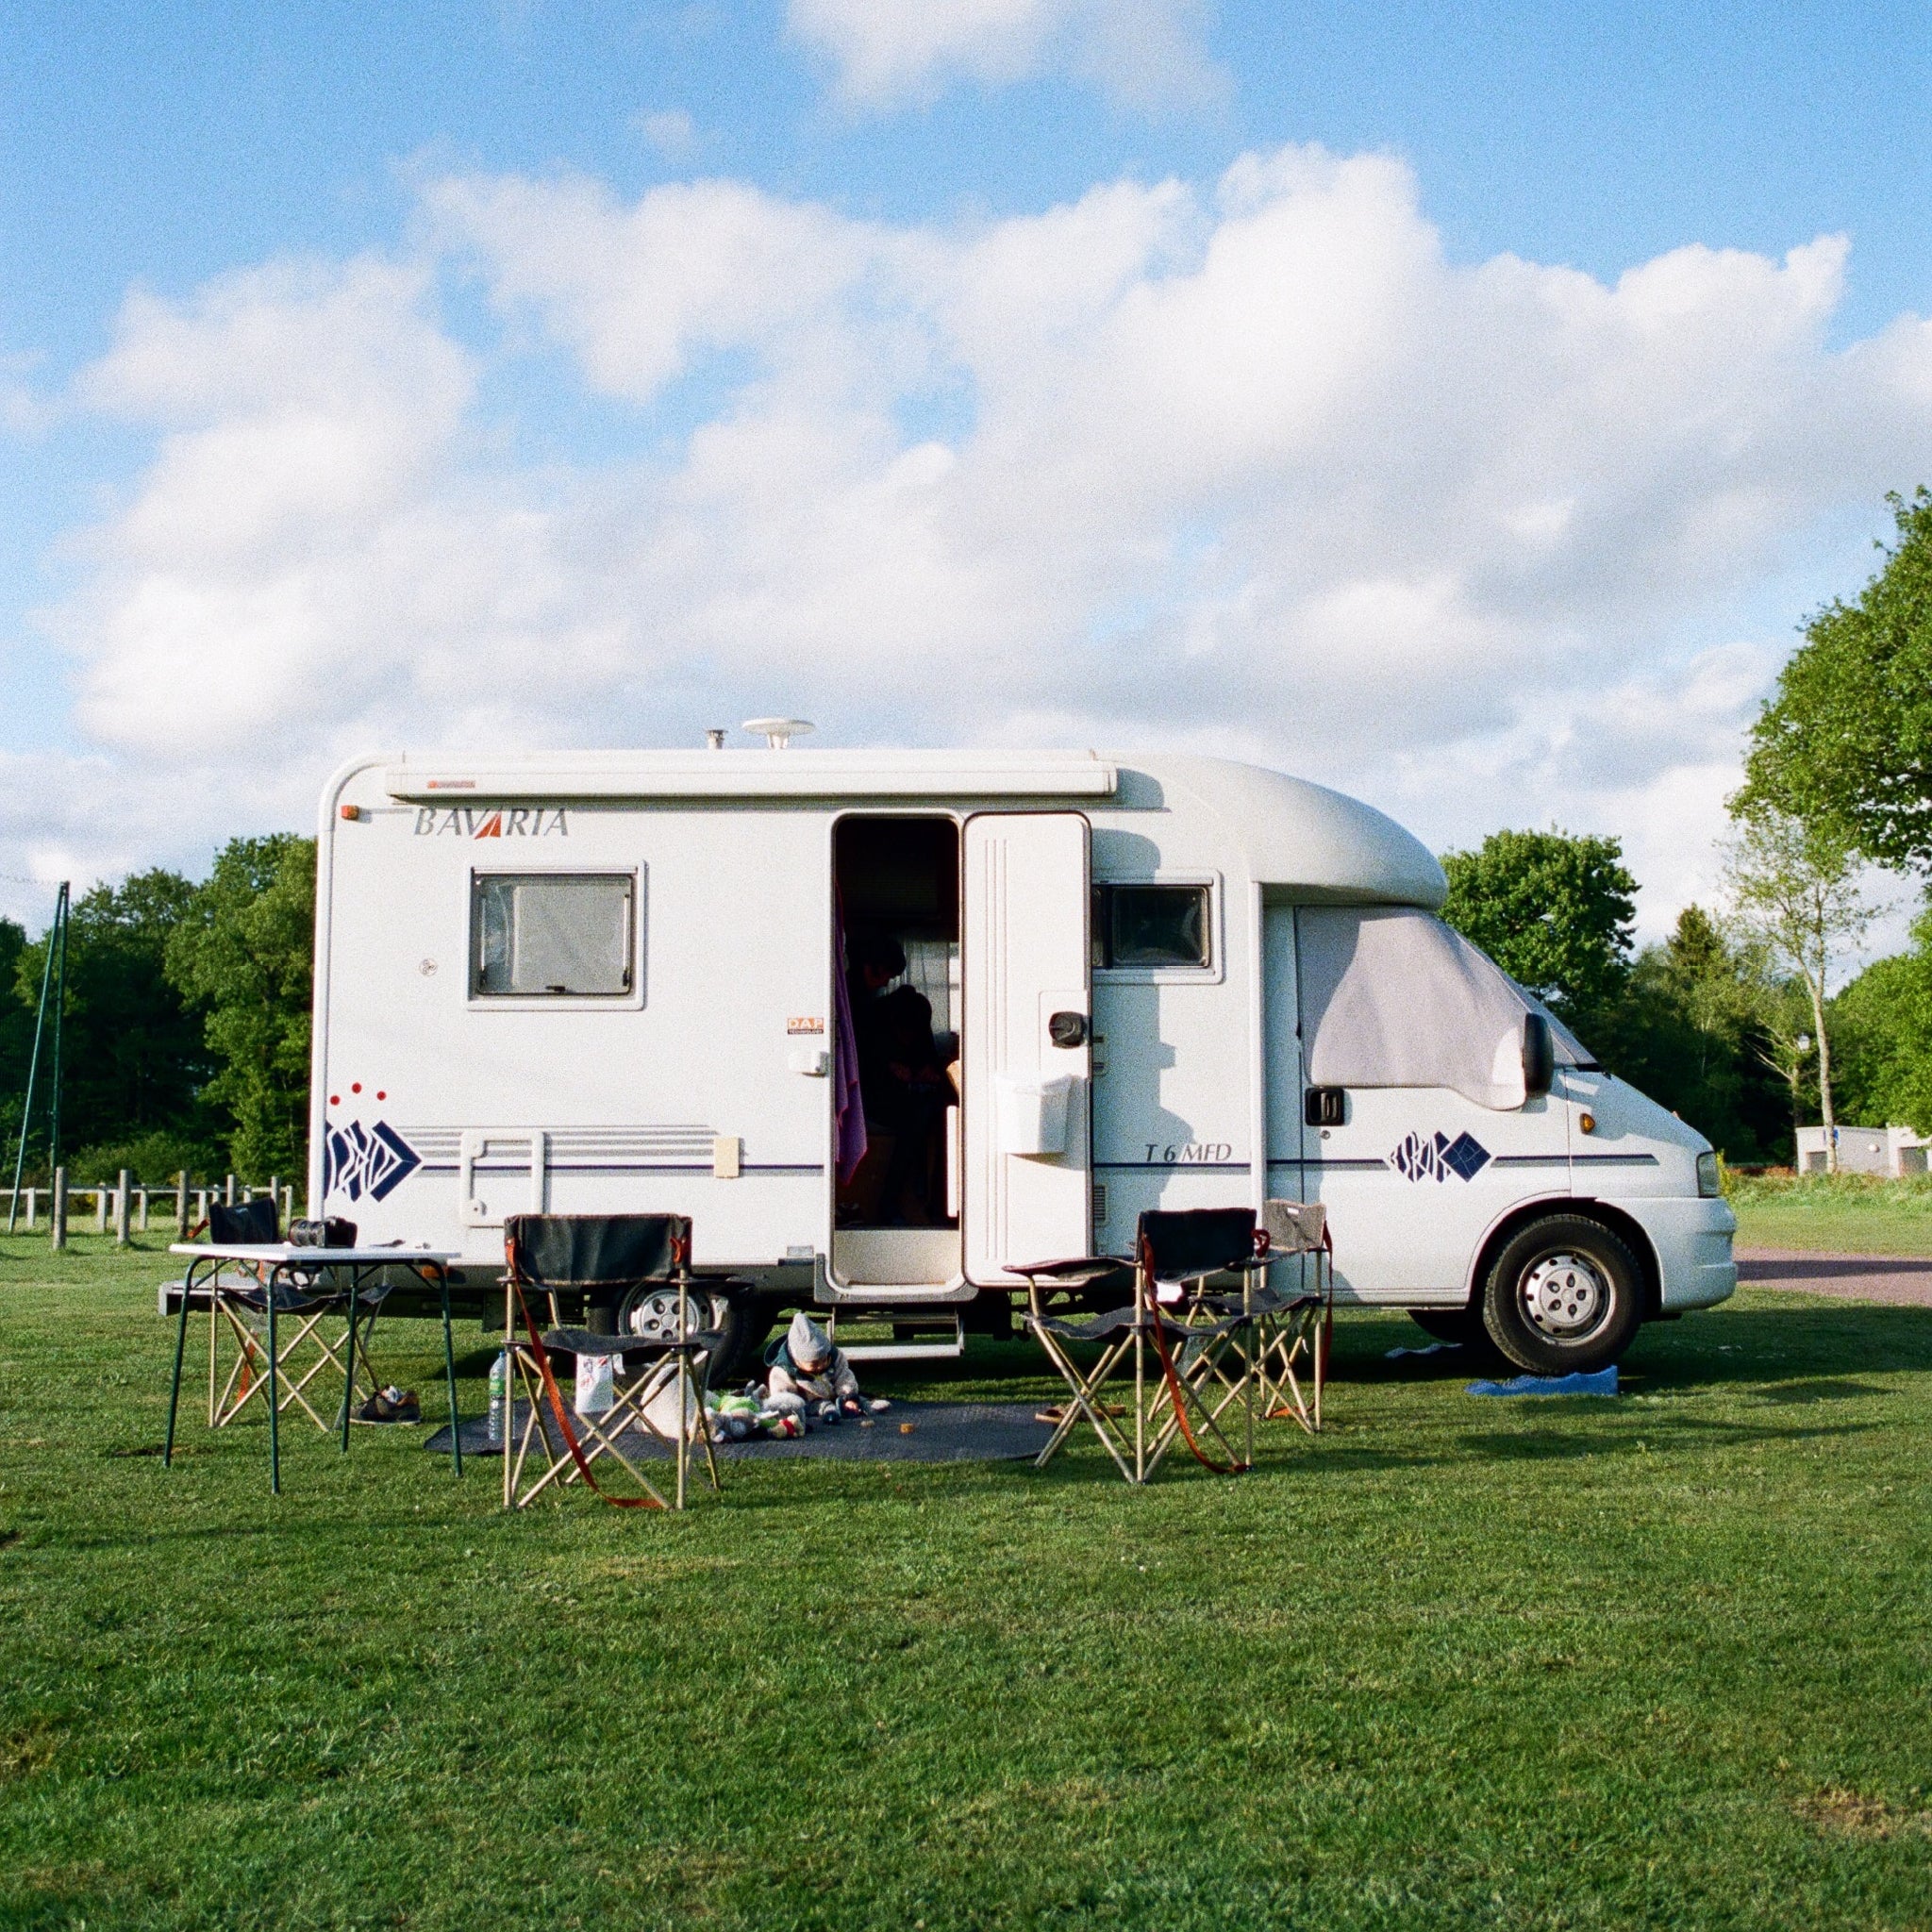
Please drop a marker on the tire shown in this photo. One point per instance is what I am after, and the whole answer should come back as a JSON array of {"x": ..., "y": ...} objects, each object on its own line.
[
  {"x": 741, "y": 1319},
  {"x": 1462, "y": 1327},
  {"x": 746, "y": 1329},
  {"x": 1564, "y": 1297}
]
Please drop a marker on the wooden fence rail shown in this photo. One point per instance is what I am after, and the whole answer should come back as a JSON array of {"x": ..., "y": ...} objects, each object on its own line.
[{"x": 129, "y": 1206}]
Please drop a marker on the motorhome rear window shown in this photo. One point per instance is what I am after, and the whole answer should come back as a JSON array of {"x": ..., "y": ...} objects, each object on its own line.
[
  {"x": 552, "y": 934},
  {"x": 1150, "y": 925}
]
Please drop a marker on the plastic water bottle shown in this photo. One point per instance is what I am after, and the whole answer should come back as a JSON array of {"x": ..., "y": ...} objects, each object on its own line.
[{"x": 499, "y": 1393}]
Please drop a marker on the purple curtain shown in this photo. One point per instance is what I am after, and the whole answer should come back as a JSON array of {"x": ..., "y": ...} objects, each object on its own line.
[{"x": 849, "y": 1104}]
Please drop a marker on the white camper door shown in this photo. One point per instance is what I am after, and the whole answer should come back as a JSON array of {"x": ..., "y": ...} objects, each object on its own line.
[{"x": 1026, "y": 1192}]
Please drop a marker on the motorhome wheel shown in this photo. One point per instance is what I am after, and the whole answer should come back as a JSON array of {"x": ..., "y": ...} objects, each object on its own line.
[
  {"x": 1562, "y": 1297},
  {"x": 653, "y": 1312}
]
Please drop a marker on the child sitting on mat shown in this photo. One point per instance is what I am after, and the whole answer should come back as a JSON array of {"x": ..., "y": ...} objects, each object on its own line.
[{"x": 810, "y": 1376}]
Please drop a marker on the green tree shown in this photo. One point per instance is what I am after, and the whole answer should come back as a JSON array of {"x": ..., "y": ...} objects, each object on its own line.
[
  {"x": 1781, "y": 1038},
  {"x": 1687, "y": 1032},
  {"x": 1799, "y": 895},
  {"x": 1883, "y": 1024},
  {"x": 1555, "y": 911},
  {"x": 243, "y": 952},
  {"x": 1846, "y": 739},
  {"x": 132, "y": 1055},
  {"x": 16, "y": 1033}
]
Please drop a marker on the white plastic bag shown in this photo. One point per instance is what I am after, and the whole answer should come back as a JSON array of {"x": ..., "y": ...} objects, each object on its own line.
[{"x": 594, "y": 1395}]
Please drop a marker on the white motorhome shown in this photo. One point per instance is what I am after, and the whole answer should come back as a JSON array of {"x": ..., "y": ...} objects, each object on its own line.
[{"x": 1046, "y": 991}]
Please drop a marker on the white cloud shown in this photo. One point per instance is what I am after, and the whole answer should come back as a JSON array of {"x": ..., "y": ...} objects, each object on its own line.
[
  {"x": 1251, "y": 467},
  {"x": 1145, "y": 54}
]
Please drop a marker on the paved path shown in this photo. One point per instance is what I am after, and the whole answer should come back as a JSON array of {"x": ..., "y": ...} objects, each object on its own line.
[{"x": 1903, "y": 1279}]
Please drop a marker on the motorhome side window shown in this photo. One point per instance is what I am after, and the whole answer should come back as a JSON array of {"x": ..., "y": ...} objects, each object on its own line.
[
  {"x": 1150, "y": 925},
  {"x": 552, "y": 934}
]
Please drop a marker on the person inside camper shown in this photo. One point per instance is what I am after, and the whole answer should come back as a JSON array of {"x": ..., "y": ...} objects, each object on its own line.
[
  {"x": 902, "y": 1080},
  {"x": 809, "y": 1376}
]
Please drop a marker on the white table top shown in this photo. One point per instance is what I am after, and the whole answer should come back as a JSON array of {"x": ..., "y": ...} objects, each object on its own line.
[{"x": 275, "y": 1254}]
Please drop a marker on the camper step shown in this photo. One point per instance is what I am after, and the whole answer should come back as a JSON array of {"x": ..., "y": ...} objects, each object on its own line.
[{"x": 924, "y": 1337}]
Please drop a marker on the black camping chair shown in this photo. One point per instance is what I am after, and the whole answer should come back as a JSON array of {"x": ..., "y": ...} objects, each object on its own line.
[
  {"x": 590, "y": 1265},
  {"x": 1293, "y": 1322},
  {"x": 1177, "y": 1337}
]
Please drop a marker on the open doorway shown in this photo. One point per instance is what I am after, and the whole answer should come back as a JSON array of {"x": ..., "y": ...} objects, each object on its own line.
[{"x": 897, "y": 885}]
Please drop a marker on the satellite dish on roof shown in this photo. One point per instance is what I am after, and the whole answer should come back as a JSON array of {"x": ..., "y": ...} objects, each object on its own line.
[{"x": 778, "y": 732}]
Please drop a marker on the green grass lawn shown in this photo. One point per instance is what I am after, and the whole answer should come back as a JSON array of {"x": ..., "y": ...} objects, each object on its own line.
[
  {"x": 1842, "y": 1214},
  {"x": 1656, "y": 1661}
]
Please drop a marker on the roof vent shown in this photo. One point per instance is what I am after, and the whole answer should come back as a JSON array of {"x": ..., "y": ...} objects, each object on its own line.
[
  {"x": 778, "y": 732},
  {"x": 714, "y": 737}
]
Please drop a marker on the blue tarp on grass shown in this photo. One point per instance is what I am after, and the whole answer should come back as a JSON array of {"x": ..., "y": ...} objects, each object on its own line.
[{"x": 1603, "y": 1383}]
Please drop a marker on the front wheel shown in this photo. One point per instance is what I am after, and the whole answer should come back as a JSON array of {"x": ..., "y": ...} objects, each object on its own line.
[{"x": 1563, "y": 1297}]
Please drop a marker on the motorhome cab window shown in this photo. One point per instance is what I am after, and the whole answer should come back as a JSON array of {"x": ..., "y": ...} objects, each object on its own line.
[
  {"x": 1393, "y": 997},
  {"x": 552, "y": 934},
  {"x": 1150, "y": 925}
]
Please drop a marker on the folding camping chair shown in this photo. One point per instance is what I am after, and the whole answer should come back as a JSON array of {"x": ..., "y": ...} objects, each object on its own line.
[
  {"x": 591, "y": 1265},
  {"x": 1292, "y": 1325},
  {"x": 1198, "y": 1344},
  {"x": 237, "y": 1307}
]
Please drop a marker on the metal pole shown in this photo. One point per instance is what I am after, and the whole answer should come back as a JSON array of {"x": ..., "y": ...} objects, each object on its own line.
[
  {"x": 33, "y": 1067},
  {"x": 60, "y": 911},
  {"x": 57, "y": 1215}
]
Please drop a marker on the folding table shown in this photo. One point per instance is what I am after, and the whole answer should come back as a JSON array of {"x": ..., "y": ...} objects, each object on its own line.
[{"x": 278, "y": 1266}]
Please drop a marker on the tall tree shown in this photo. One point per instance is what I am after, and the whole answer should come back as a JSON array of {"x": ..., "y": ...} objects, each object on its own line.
[
  {"x": 1554, "y": 911},
  {"x": 1688, "y": 1032},
  {"x": 1799, "y": 893},
  {"x": 133, "y": 1058},
  {"x": 1846, "y": 739},
  {"x": 16, "y": 1031},
  {"x": 1883, "y": 1021},
  {"x": 243, "y": 952}
]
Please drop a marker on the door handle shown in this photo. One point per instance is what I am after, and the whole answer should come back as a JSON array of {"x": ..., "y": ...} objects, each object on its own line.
[
  {"x": 1067, "y": 1029},
  {"x": 1326, "y": 1107}
]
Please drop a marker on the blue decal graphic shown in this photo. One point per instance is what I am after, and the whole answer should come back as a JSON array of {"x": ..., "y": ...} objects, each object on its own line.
[
  {"x": 1438, "y": 1158},
  {"x": 359, "y": 1161}
]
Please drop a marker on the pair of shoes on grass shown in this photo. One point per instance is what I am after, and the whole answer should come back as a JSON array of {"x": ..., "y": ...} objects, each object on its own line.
[{"x": 390, "y": 1405}]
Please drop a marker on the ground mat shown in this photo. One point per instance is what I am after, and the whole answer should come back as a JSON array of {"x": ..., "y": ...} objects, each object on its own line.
[{"x": 907, "y": 1432}]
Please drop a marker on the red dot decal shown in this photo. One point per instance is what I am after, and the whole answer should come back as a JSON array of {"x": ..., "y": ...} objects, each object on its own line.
[
  {"x": 380, "y": 1094},
  {"x": 335, "y": 1100},
  {"x": 355, "y": 1086}
]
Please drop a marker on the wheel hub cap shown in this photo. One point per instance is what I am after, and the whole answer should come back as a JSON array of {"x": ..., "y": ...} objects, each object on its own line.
[
  {"x": 655, "y": 1316},
  {"x": 1565, "y": 1296}
]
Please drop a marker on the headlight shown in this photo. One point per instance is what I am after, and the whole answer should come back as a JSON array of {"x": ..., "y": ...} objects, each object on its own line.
[{"x": 1708, "y": 1182}]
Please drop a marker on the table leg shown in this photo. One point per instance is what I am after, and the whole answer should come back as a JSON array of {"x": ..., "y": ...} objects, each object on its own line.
[
  {"x": 449, "y": 1370},
  {"x": 181, "y": 1349},
  {"x": 349, "y": 1372},
  {"x": 275, "y": 1437}
]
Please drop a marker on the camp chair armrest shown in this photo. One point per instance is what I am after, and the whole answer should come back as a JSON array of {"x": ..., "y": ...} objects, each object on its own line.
[
  {"x": 1075, "y": 1272},
  {"x": 1088, "y": 1328}
]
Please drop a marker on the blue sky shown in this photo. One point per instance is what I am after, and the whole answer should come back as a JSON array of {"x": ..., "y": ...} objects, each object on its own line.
[{"x": 161, "y": 149}]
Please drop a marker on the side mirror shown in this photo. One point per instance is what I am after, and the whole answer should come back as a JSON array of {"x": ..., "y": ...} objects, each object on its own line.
[{"x": 1539, "y": 1056}]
